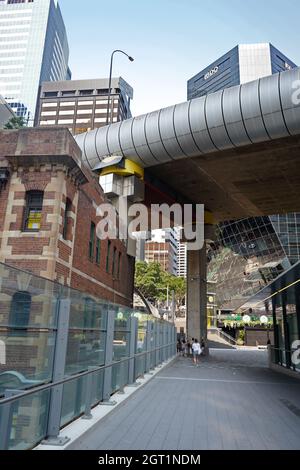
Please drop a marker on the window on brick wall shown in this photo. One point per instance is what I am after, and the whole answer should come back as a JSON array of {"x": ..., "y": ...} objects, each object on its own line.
[
  {"x": 119, "y": 265},
  {"x": 19, "y": 312},
  {"x": 33, "y": 211},
  {"x": 98, "y": 251},
  {"x": 67, "y": 219},
  {"x": 92, "y": 241},
  {"x": 108, "y": 255},
  {"x": 114, "y": 261}
]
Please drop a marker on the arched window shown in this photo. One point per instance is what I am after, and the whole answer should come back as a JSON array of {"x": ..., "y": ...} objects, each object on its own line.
[
  {"x": 67, "y": 220},
  {"x": 20, "y": 310},
  {"x": 33, "y": 211}
]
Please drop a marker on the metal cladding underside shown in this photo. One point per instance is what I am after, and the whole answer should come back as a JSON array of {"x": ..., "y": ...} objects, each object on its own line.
[{"x": 254, "y": 112}]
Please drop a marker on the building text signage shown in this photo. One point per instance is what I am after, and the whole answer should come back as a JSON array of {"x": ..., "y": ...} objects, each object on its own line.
[{"x": 211, "y": 73}]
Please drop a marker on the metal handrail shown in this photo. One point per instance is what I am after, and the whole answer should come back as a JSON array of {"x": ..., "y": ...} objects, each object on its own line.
[
  {"x": 48, "y": 386},
  {"x": 222, "y": 333},
  {"x": 283, "y": 349}
]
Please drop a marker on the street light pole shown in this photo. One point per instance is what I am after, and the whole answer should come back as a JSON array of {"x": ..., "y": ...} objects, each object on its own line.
[{"x": 110, "y": 79}]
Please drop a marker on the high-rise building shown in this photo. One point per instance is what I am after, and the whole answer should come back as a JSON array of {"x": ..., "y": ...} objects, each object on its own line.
[
  {"x": 248, "y": 253},
  {"x": 244, "y": 63},
  {"x": 82, "y": 105},
  {"x": 162, "y": 249},
  {"x": 6, "y": 112},
  {"x": 33, "y": 49},
  {"x": 182, "y": 259}
]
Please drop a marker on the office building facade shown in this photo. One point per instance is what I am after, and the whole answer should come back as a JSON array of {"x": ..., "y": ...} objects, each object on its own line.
[
  {"x": 33, "y": 48},
  {"x": 244, "y": 63},
  {"x": 182, "y": 259},
  {"x": 163, "y": 249},
  {"x": 83, "y": 105},
  {"x": 249, "y": 253}
]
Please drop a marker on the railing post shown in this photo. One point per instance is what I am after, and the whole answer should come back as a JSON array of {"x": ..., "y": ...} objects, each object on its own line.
[
  {"x": 132, "y": 350},
  {"x": 174, "y": 340},
  {"x": 89, "y": 395},
  {"x": 152, "y": 345},
  {"x": 169, "y": 340},
  {"x": 165, "y": 339},
  {"x": 122, "y": 379},
  {"x": 156, "y": 333},
  {"x": 56, "y": 394},
  {"x": 108, "y": 358},
  {"x": 148, "y": 346},
  {"x": 6, "y": 413}
]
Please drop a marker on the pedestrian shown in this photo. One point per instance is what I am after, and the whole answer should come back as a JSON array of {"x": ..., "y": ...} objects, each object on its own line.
[{"x": 196, "y": 351}]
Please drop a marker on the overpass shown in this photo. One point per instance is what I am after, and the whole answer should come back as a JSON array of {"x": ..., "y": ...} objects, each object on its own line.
[{"x": 236, "y": 151}]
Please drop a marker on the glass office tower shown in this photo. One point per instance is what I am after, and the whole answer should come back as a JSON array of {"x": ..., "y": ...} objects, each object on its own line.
[
  {"x": 33, "y": 48},
  {"x": 249, "y": 253}
]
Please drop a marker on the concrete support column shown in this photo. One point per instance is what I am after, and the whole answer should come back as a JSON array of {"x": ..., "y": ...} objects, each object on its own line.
[{"x": 197, "y": 294}]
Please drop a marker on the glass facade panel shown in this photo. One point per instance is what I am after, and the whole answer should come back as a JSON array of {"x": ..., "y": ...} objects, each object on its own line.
[
  {"x": 284, "y": 294},
  {"x": 33, "y": 314},
  {"x": 28, "y": 421}
]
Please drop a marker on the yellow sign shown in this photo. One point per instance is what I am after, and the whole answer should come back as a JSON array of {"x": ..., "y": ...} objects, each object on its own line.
[{"x": 34, "y": 220}]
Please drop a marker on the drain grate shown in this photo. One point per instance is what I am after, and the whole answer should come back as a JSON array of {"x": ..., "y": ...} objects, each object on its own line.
[{"x": 294, "y": 409}]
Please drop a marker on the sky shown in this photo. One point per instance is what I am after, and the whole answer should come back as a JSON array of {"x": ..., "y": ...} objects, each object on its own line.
[{"x": 171, "y": 40}]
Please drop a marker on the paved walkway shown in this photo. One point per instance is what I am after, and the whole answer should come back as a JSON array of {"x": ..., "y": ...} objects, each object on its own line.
[{"x": 231, "y": 401}]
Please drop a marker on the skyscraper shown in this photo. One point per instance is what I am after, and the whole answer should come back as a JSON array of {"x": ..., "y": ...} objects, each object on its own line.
[
  {"x": 182, "y": 259},
  {"x": 33, "y": 49}
]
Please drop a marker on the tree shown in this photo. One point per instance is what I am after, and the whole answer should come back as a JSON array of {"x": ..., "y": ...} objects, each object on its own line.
[
  {"x": 148, "y": 278},
  {"x": 153, "y": 283},
  {"x": 16, "y": 122}
]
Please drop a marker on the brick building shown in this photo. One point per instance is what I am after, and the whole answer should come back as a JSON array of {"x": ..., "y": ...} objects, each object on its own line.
[{"x": 48, "y": 220}]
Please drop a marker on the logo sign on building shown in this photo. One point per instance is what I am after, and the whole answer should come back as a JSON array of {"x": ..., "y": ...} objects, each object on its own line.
[
  {"x": 246, "y": 319},
  {"x": 264, "y": 320},
  {"x": 211, "y": 73}
]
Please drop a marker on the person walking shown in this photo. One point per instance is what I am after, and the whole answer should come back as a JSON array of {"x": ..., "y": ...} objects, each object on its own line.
[{"x": 196, "y": 352}]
